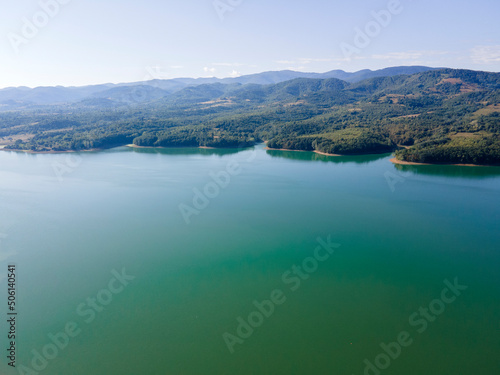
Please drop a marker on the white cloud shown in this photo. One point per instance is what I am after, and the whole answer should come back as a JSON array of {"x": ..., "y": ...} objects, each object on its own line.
[
  {"x": 235, "y": 73},
  {"x": 486, "y": 54},
  {"x": 209, "y": 70},
  {"x": 155, "y": 72}
]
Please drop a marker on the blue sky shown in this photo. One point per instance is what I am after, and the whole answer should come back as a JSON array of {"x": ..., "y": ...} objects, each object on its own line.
[{"x": 97, "y": 41}]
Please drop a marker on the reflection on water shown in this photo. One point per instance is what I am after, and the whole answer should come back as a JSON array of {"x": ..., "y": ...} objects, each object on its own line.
[
  {"x": 312, "y": 156},
  {"x": 450, "y": 170},
  {"x": 186, "y": 151}
]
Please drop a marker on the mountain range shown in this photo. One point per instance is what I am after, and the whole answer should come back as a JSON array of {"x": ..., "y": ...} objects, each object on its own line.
[{"x": 145, "y": 91}]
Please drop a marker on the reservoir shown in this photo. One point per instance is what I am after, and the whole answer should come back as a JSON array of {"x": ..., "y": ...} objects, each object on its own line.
[{"x": 254, "y": 261}]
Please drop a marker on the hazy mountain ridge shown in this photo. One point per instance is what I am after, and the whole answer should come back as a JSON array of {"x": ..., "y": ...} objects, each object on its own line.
[{"x": 18, "y": 97}]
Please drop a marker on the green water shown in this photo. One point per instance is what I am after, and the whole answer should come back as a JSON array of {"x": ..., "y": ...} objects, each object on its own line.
[{"x": 69, "y": 221}]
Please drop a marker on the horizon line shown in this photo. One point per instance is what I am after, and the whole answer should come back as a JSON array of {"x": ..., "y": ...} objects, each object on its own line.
[{"x": 235, "y": 77}]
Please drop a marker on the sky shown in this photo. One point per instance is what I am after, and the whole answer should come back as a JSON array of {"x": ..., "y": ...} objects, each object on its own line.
[{"x": 82, "y": 42}]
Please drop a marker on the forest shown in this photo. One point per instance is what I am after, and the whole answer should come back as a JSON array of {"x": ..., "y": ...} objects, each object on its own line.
[{"x": 438, "y": 116}]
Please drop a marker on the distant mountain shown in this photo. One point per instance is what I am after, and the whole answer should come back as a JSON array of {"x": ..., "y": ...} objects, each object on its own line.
[
  {"x": 387, "y": 72},
  {"x": 443, "y": 81},
  {"x": 292, "y": 90},
  {"x": 267, "y": 78},
  {"x": 202, "y": 93},
  {"x": 132, "y": 94},
  {"x": 125, "y": 93},
  {"x": 48, "y": 95},
  {"x": 287, "y": 75}
]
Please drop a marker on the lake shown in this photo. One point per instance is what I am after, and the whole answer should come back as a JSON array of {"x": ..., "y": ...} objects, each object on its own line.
[{"x": 199, "y": 261}]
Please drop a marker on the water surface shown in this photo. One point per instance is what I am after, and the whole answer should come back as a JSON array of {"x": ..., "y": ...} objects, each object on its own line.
[{"x": 70, "y": 220}]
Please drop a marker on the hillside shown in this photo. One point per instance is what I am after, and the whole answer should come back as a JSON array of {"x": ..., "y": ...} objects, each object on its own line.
[{"x": 433, "y": 116}]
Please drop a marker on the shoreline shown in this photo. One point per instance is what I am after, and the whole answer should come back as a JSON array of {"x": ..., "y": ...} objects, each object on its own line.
[
  {"x": 2, "y": 148},
  {"x": 326, "y": 154},
  {"x": 52, "y": 152},
  {"x": 316, "y": 152},
  {"x": 166, "y": 148},
  {"x": 392, "y": 160},
  {"x": 401, "y": 162}
]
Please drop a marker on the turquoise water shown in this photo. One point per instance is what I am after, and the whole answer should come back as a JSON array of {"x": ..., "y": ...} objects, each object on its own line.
[{"x": 71, "y": 222}]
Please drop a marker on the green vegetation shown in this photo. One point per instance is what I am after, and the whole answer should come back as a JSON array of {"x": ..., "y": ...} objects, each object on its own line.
[
  {"x": 438, "y": 116},
  {"x": 347, "y": 142},
  {"x": 462, "y": 150}
]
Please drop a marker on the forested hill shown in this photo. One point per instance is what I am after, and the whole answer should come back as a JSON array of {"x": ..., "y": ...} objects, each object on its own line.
[{"x": 435, "y": 116}]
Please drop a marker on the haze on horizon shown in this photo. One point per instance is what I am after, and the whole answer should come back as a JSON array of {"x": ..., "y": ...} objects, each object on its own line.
[{"x": 75, "y": 43}]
